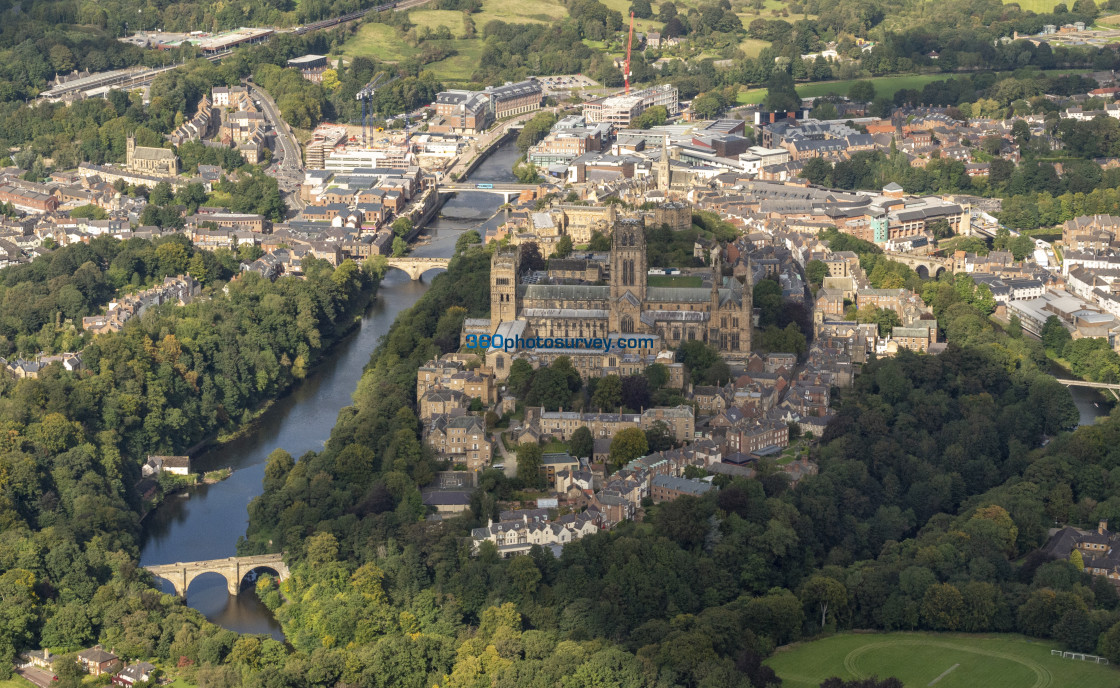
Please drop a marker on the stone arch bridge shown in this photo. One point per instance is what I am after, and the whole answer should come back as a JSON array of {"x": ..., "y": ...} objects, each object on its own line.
[
  {"x": 925, "y": 266},
  {"x": 415, "y": 267},
  {"x": 233, "y": 569}
]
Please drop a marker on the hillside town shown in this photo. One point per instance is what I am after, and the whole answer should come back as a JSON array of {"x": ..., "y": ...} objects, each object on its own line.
[{"x": 601, "y": 179}]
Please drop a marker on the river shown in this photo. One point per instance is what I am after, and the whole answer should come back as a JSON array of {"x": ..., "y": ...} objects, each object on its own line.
[
  {"x": 1091, "y": 403},
  {"x": 206, "y": 522}
]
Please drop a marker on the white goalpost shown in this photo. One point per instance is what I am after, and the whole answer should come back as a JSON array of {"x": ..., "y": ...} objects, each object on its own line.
[{"x": 1079, "y": 656}]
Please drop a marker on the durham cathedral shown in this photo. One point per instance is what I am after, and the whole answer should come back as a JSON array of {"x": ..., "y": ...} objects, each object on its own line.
[{"x": 718, "y": 313}]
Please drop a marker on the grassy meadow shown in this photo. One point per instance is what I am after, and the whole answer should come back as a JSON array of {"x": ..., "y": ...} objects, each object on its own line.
[{"x": 940, "y": 660}]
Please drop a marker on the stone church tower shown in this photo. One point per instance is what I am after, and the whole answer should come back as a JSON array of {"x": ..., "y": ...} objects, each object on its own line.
[
  {"x": 729, "y": 328},
  {"x": 505, "y": 265},
  {"x": 664, "y": 172},
  {"x": 629, "y": 266}
]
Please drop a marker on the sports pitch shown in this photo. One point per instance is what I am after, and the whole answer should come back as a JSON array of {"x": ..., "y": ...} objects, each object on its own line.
[{"x": 938, "y": 660}]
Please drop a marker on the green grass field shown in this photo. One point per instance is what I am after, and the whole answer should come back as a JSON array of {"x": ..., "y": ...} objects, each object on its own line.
[
  {"x": 16, "y": 682},
  {"x": 519, "y": 11},
  {"x": 380, "y": 41},
  {"x": 1036, "y": 6},
  {"x": 642, "y": 25},
  {"x": 884, "y": 86},
  {"x": 384, "y": 43},
  {"x": 674, "y": 281},
  {"x": 753, "y": 46},
  {"x": 943, "y": 660},
  {"x": 434, "y": 18},
  {"x": 459, "y": 67}
]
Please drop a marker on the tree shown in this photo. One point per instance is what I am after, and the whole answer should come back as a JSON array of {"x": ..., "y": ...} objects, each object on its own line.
[
  {"x": 666, "y": 11},
  {"x": 525, "y": 576},
  {"x": 520, "y": 377},
  {"x": 1054, "y": 335},
  {"x": 599, "y": 242},
  {"x": 529, "y": 456},
  {"x": 402, "y": 226},
  {"x": 641, "y": 9},
  {"x": 330, "y": 80},
  {"x": 161, "y": 195},
  {"x": 400, "y": 247},
  {"x": 627, "y": 445},
  {"x": 1021, "y": 131},
  {"x": 90, "y": 212},
  {"x": 653, "y": 117},
  {"x": 535, "y": 130},
  {"x": 816, "y": 270},
  {"x": 635, "y": 392},
  {"x": 817, "y": 171},
  {"x": 526, "y": 172},
  {"x": 1021, "y": 247},
  {"x": 659, "y": 437},
  {"x": 789, "y": 339},
  {"x": 1109, "y": 644},
  {"x": 582, "y": 444},
  {"x": 1015, "y": 327},
  {"x": 657, "y": 375},
  {"x": 942, "y": 607},
  {"x": 322, "y": 548},
  {"x": 821, "y": 595},
  {"x": 707, "y": 106},
  {"x": 563, "y": 247},
  {"x": 1077, "y": 631},
  {"x": 608, "y": 393},
  {"x": 68, "y": 671},
  {"x": 1077, "y": 560},
  {"x": 673, "y": 28},
  {"x": 862, "y": 92},
  {"x": 781, "y": 96},
  {"x": 824, "y": 110}
]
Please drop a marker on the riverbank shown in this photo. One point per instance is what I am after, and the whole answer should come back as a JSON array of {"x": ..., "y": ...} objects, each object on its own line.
[
  {"x": 209, "y": 523},
  {"x": 250, "y": 422}
]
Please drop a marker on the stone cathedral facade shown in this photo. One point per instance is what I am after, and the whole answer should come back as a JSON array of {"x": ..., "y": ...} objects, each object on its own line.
[{"x": 719, "y": 314}]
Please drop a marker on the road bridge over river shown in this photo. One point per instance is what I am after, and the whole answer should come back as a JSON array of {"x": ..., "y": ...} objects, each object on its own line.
[{"x": 233, "y": 569}]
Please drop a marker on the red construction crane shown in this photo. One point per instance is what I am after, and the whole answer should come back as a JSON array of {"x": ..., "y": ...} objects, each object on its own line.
[{"x": 629, "y": 45}]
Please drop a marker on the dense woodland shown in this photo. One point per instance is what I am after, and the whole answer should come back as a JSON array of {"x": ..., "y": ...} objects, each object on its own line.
[
  {"x": 73, "y": 443},
  {"x": 75, "y": 281}
]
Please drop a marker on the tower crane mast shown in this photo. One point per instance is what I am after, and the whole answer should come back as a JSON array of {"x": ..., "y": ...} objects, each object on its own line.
[{"x": 629, "y": 46}]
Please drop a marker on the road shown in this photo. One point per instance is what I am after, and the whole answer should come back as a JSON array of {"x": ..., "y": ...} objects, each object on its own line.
[
  {"x": 288, "y": 169},
  {"x": 509, "y": 459},
  {"x": 40, "y": 677}
]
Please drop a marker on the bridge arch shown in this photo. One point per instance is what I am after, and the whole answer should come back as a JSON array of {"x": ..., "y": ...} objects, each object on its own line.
[
  {"x": 233, "y": 569},
  {"x": 207, "y": 576},
  {"x": 922, "y": 271},
  {"x": 416, "y": 267}
]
